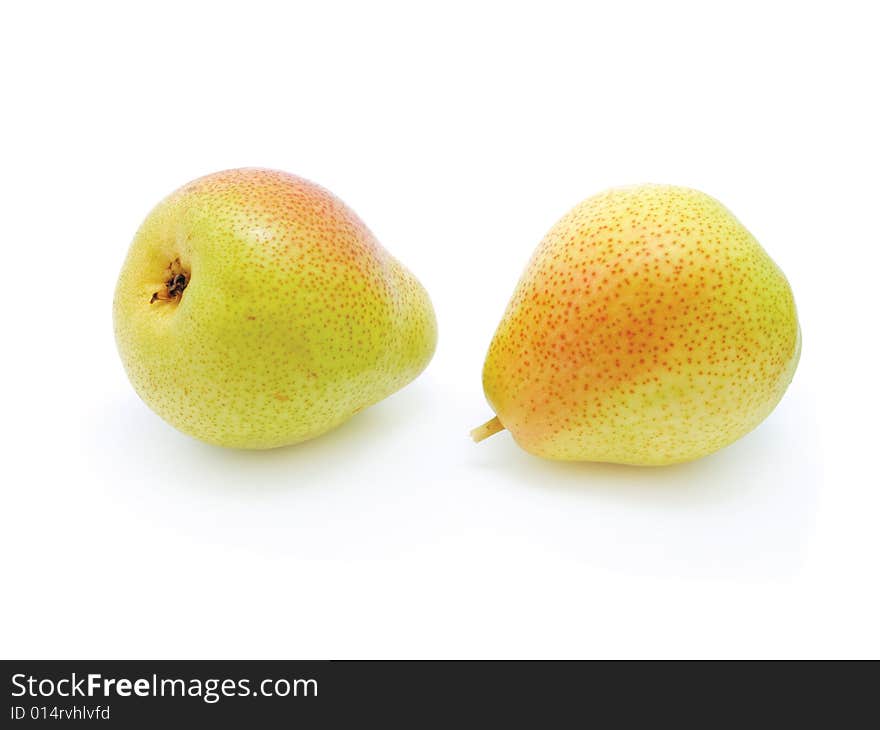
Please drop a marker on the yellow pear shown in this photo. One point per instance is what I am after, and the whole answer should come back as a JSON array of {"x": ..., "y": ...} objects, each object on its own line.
[
  {"x": 650, "y": 327},
  {"x": 256, "y": 310}
]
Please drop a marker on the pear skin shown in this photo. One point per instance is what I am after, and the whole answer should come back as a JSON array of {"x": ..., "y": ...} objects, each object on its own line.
[
  {"x": 649, "y": 328},
  {"x": 255, "y": 310}
]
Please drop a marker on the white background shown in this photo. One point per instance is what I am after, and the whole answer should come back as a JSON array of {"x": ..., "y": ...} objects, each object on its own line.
[{"x": 459, "y": 132}]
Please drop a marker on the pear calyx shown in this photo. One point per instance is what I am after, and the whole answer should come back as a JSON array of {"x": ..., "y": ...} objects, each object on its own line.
[{"x": 174, "y": 285}]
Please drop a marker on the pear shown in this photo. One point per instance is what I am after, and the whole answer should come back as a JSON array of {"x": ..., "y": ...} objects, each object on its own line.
[
  {"x": 649, "y": 328},
  {"x": 255, "y": 310}
]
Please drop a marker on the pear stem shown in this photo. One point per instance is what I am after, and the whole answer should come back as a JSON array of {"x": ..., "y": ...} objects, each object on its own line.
[{"x": 489, "y": 428}]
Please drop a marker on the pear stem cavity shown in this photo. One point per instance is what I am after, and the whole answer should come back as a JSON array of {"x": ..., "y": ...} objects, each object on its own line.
[{"x": 489, "y": 428}]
